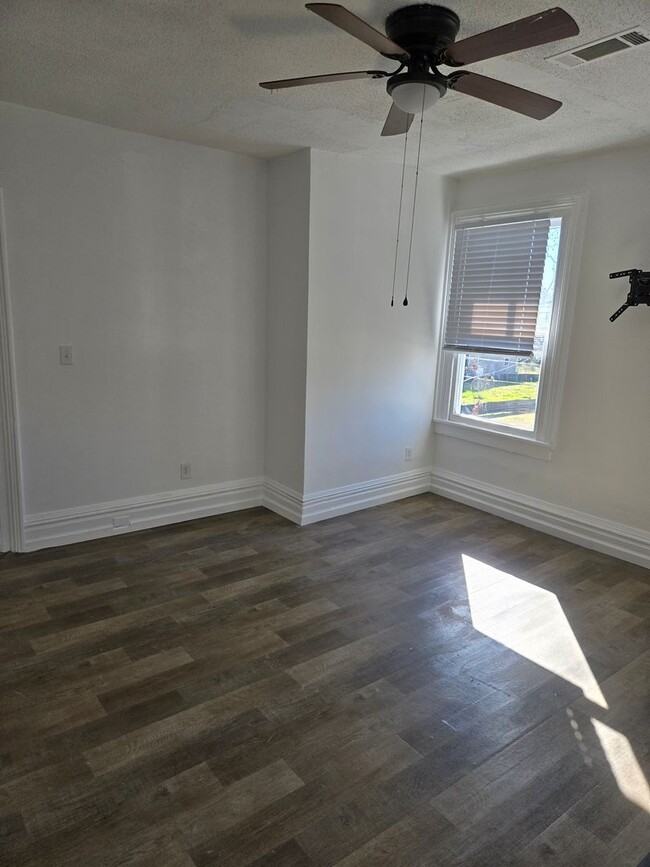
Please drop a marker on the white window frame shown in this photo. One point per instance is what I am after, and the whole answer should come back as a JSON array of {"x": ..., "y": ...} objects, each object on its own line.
[{"x": 540, "y": 442}]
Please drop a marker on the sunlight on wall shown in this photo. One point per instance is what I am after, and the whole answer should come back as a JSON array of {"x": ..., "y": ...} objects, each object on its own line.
[
  {"x": 627, "y": 772},
  {"x": 530, "y": 621}
]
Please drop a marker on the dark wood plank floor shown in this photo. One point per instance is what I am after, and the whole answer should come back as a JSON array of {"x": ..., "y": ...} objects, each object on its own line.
[{"x": 239, "y": 691}]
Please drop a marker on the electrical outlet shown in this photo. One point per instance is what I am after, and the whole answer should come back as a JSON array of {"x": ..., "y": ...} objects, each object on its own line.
[
  {"x": 65, "y": 355},
  {"x": 408, "y": 454},
  {"x": 186, "y": 471}
]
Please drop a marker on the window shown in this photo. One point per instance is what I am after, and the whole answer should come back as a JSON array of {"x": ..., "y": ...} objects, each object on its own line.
[{"x": 505, "y": 326}]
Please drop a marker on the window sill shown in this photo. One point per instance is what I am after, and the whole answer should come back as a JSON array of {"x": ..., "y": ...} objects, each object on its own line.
[{"x": 495, "y": 439}]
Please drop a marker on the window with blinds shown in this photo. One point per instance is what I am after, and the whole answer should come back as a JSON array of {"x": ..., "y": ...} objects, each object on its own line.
[{"x": 495, "y": 286}]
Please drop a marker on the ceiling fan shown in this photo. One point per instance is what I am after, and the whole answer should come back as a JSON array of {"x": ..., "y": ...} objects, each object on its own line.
[{"x": 421, "y": 38}]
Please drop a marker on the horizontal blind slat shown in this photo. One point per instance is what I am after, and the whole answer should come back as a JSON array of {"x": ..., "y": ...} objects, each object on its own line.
[{"x": 495, "y": 286}]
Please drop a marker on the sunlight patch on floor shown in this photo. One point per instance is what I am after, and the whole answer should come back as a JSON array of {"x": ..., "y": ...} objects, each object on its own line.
[
  {"x": 530, "y": 621},
  {"x": 627, "y": 772}
]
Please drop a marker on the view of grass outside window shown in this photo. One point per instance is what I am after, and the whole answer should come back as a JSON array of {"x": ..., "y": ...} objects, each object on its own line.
[{"x": 502, "y": 390}]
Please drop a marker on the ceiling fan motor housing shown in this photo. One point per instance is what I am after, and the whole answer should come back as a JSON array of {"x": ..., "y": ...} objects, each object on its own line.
[{"x": 424, "y": 30}]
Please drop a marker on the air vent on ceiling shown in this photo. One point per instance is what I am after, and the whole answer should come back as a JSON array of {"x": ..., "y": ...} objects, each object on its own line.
[{"x": 631, "y": 38}]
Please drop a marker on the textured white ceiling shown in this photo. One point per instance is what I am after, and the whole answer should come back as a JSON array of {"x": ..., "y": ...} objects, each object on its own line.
[{"x": 189, "y": 70}]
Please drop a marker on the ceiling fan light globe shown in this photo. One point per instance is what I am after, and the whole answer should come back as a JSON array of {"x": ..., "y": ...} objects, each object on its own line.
[{"x": 408, "y": 95}]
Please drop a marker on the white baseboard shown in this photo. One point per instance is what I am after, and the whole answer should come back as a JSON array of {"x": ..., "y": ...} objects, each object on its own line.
[
  {"x": 282, "y": 500},
  {"x": 590, "y": 531},
  {"x": 64, "y": 526},
  {"x": 351, "y": 498}
]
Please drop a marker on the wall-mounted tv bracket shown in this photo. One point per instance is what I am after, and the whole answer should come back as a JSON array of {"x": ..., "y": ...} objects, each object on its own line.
[{"x": 639, "y": 289}]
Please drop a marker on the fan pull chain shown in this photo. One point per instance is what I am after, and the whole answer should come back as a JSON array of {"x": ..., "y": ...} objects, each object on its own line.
[
  {"x": 405, "y": 302},
  {"x": 399, "y": 213}
]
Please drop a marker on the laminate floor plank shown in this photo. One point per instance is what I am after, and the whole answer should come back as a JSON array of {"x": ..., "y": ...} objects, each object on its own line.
[{"x": 416, "y": 685}]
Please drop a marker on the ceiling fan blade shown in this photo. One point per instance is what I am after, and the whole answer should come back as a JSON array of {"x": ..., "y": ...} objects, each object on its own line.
[
  {"x": 357, "y": 27},
  {"x": 322, "y": 79},
  {"x": 397, "y": 122},
  {"x": 537, "y": 29},
  {"x": 506, "y": 95}
]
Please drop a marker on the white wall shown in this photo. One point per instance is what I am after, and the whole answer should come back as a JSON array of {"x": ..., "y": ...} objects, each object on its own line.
[
  {"x": 153, "y": 259},
  {"x": 370, "y": 367},
  {"x": 349, "y": 380},
  {"x": 149, "y": 256},
  {"x": 601, "y": 463},
  {"x": 288, "y": 289}
]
